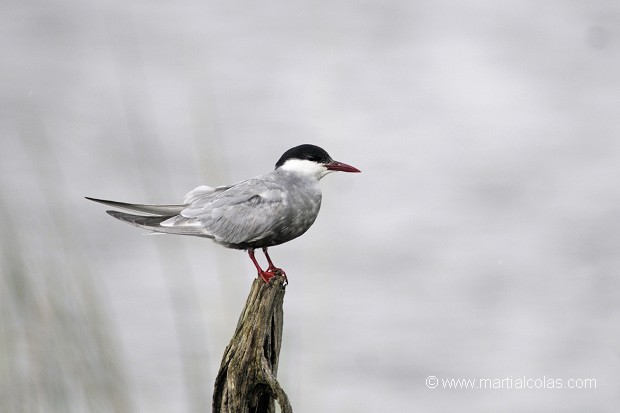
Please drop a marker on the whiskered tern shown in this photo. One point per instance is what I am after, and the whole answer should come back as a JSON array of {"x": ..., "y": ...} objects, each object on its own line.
[{"x": 260, "y": 212}]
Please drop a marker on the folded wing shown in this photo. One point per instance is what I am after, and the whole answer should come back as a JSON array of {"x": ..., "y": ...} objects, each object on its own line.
[{"x": 234, "y": 216}]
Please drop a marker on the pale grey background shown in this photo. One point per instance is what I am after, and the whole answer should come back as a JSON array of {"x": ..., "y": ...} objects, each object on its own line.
[{"x": 481, "y": 240}]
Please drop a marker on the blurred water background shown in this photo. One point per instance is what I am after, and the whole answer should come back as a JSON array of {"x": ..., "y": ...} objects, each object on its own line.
[{"x": 482, "y": 239}]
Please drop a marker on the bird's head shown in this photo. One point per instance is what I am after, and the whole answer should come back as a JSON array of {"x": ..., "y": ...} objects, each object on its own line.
[{"x": 311, "y": 160}]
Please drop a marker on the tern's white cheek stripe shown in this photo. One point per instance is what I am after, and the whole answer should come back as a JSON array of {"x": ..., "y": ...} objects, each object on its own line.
[{"x": 304, "y": 167}]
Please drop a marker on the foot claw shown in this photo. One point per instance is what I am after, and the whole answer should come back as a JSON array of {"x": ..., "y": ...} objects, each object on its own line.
[{"x": 271, "y": 272}]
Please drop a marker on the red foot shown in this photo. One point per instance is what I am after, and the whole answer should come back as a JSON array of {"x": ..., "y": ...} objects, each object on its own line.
[{"x": 271, "y": 270}]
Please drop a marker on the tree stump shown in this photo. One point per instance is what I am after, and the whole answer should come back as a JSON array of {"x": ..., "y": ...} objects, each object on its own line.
[{"x": 246, "y": 381}]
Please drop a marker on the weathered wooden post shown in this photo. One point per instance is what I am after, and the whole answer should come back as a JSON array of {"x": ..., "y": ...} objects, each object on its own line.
[{"x": 246, "y": 381}]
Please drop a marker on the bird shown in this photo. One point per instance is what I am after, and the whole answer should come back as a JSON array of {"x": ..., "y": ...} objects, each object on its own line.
[{"x": 259, "y": 212}]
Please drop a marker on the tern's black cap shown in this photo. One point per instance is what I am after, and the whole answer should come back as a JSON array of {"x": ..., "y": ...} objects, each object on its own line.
[{"x": 305, "y": 152}]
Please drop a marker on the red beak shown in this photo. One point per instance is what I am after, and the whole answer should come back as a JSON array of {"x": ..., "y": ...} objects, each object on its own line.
[{"x": 339, "y": 166}]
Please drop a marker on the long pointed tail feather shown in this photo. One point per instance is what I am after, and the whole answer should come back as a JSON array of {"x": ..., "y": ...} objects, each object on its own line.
[{"x": 168, "y": 210}]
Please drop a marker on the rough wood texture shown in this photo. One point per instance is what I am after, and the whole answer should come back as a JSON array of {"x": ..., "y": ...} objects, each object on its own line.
[{"x": 246, "y": 381}]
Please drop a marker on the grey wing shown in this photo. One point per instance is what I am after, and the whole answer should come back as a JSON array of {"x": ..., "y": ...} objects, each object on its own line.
[{"x": 236, "y": 215}]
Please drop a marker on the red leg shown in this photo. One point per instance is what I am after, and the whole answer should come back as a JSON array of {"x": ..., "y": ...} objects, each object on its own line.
[
  {"x": 265, "y": 275},
  {"x": 272, "y": 268},
  {"x": 271, "y": 271}
]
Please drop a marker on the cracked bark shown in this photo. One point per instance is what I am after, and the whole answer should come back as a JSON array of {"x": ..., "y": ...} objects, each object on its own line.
[{"x": 246, "y": 381}]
